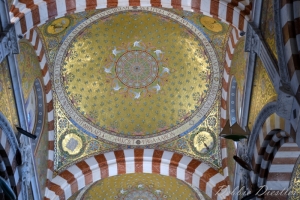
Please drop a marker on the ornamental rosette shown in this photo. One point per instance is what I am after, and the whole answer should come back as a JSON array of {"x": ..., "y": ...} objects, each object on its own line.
[{"x": 137, "y": 70}]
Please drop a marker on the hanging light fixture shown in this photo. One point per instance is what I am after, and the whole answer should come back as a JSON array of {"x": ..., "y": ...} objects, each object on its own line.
[{"x": 234, "y": 132}]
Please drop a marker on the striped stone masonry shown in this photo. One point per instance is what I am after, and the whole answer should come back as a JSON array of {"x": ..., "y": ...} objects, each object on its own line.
[
  {"x": 274, "y": 156},
  {"x": 232, "y": 41},
  {"x": 128, "y": 161},
  {"x": 8, "y": 164},
  {"x": 290, "y": 23},
  {"x": 281, "y": 169},
  {"x": 27, "y": 14}
]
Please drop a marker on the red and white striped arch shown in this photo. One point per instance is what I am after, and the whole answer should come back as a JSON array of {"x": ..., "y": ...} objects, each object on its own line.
[
  {"x": 9, "y": 164},
  {"x": 27, "y": 14},
  {"x": 33, "y": 37},
  {"x": 231, "y": 44},
  {"x": 282, "y": 166},
  {"x": 8, "y": 149},
  {"x": 275, "y": 154},
  {"x": 224, "y": 159},
  {"x": 3, "y": 174},
  {"x": 128, "y": 161},
  {"x": 290, "y": 23},
  {"x": 273, "y": 122}
]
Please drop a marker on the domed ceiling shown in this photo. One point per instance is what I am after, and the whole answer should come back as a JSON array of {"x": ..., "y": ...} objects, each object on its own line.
[{"x": 136, "y": 77}]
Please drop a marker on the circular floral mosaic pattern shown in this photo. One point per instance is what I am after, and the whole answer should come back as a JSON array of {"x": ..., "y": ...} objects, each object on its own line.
[
  {"x": 138, "y": 77},
  {"x": 136, "y": 73},
  {"x": 203, "y": 142},
  {"x": 136, "y": 69},
  {"x": 71, "y": 143}
]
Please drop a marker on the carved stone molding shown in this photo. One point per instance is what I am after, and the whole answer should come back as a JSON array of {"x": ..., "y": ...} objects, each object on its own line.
[
  {"x": 248, "y": 89},
  {"x": 8, "y": 42},
  {"x": 26, "y": 167},
  {"x": 11, "y": 137},
  {"x": 253, "y": 39},
  {"x": 40, "y": 112},
  {"x": 284, "y": 105},
  {"x": 242, "y": 176},
  {"x": 26, "y": 170},
  {"x": 255, "y": 44},
  {"x": 8, "y": 131},
  {"x": 284, "y": 75},
  {"x": 270, "y": 65},
  {"x": 242, "y": 152}
]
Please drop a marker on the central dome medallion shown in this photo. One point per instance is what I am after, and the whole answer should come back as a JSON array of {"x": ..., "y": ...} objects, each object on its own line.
[
  {"x": 137, "y": 69},
  {"x": 136, "y": 76}
]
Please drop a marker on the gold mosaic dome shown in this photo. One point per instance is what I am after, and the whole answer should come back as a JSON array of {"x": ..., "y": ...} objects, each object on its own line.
[{"x": 138, "y": 77}]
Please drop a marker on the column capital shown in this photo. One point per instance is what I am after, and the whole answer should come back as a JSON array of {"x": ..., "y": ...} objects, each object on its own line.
[{"x": 8, "y": 42}]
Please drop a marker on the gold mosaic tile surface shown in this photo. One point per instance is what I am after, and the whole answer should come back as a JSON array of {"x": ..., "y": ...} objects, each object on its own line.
[
  {"x": 294, "y": 188},
  {"x": 238, "y": 64},
  {"x": 268, "y": 26},
  {"x": 263, "y": 92},
  {"x": 7, "y": 105},
  {"x": 136, "y": 100},
  {"x": 201, "y": 143},
  {"x": 29, "y": 67},
  {"x": 67, "y": 150}
]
